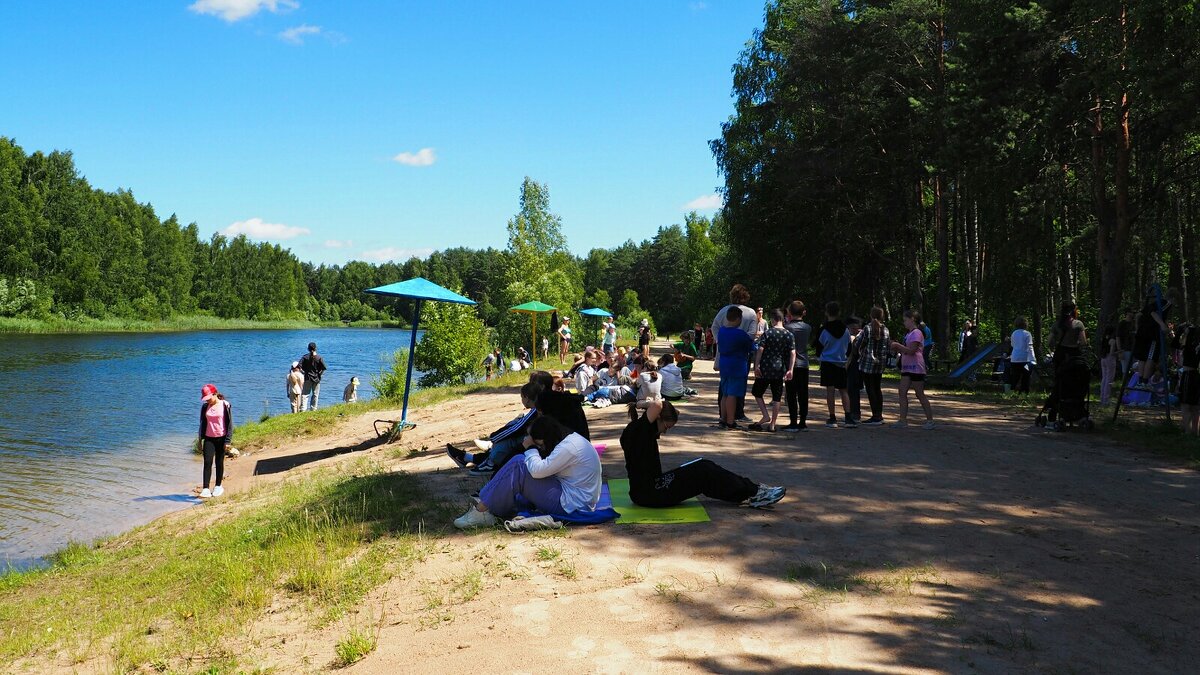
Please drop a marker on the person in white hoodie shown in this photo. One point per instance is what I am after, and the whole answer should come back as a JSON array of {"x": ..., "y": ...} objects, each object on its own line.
[{"x": 559, "y": 474}]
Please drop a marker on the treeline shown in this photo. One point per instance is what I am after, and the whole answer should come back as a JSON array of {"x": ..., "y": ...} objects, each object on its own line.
[
  {"x": 69, "y": 250},
  {"x": 973, "y": 159}
]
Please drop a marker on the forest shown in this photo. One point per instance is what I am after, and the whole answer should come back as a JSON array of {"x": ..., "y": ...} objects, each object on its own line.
[
  {"x": 971, "y": 159},
  {"x": 974, "y": 159},
  {"x": 69, "y": 250}
]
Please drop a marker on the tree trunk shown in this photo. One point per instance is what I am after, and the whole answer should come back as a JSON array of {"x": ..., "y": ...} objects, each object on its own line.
[{"x": 1113, "y": 216}]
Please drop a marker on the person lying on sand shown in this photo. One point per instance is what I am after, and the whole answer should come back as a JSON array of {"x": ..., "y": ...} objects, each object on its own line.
[
  {"x": 649, "y": 486},
  {"x": 558, "y": 474}
]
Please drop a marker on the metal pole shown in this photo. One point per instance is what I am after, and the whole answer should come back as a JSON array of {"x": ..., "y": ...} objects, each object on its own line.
[
  {"x": 533, "y": 322},
  {"x": 412, "y": 353}
]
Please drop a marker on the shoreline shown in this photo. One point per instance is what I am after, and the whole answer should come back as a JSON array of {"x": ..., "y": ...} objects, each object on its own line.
[
  {"x": 883, "y": 532},
  {"x": 182, "y": 324}
]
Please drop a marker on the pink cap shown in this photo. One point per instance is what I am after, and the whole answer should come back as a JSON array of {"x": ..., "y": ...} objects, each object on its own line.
[{"x": 207, "y": 390}]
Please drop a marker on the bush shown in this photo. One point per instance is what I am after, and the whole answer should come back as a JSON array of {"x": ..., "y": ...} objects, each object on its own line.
[
  {"x": 389, "y": 383},
  {"x": 454, "y": 344}
]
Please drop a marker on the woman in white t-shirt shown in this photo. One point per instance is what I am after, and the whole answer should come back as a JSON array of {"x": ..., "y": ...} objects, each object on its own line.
[
  {"x": 559, "y": 474},
  {"x": 912, "y": 369},
  {"x": 1022, "y": 360}
]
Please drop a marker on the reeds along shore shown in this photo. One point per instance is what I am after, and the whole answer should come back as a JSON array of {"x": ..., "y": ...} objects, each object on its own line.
[{"x": 174, "y": 324}]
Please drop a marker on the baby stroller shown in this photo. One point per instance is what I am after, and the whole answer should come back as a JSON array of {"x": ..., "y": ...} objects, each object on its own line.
[{"x": 1068, "y": 403}]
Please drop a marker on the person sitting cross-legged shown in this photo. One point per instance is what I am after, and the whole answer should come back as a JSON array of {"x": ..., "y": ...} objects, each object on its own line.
[
  {"x": 503, "y": 443},
  {"x": 649, "y": 486},
  {"x": 559, "y": 474}
]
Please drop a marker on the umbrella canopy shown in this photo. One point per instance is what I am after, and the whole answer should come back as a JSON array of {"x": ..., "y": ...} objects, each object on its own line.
[
  {"x": 533, "y": 308},
  {"x": 595, "y": 311},
  {"x": 420, "y": 290}
]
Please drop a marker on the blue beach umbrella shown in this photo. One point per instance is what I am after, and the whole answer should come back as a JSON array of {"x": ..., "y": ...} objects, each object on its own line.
[
  {"x": 420, "y": 290},
  {"x": 595, "y": 311}
]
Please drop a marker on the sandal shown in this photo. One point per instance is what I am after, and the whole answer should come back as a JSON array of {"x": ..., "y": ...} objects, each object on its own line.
[{"x": 755, "y": 427}]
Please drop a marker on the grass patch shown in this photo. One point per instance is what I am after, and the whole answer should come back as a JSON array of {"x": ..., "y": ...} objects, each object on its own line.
[
  {"x": 179, "y": 590},
  {"x": 1152, "y": 434},
  {"x": 324, "y": 420},
  {"x": 355, "y": 646},
  {"x": 548, "y": 553}
]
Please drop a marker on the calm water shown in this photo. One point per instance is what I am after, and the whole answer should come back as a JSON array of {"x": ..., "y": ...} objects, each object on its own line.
[{"x": 95, "y": 430}]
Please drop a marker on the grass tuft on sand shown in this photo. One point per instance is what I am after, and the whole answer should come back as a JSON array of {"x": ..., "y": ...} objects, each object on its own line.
[{"x": 170, "y": 593}]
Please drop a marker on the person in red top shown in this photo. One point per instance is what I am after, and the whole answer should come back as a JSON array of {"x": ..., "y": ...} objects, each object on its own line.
[{"x": 216, "y": 431}]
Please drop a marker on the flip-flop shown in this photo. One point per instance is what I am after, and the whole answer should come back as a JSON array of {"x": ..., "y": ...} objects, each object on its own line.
[{"x": 755, "y": 427}]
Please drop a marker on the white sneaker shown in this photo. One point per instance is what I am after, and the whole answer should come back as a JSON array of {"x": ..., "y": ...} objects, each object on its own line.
[
  {"x": 929, "y": 425},
  {"x": 483, "y": 444},
  {"x": 218, "y": 491},
  {"x": 898, "y": 424},
  {"x": 205, "y": 493},
  {"x": 474, "y": 518}
]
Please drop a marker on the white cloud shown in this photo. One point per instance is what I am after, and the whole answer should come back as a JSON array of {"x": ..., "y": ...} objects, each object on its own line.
[
  {"x": 704, "y": 203},
  {"x": 255, "y": 228},
  {"x": 295, "y": 34},
  {"x": 334, "y": 243},
  {"x": 391, "y": 253},
  {"x": 698, "y": 6},
  {"x": 422, "y": 157},
  {"x": 236, "y": 10}
]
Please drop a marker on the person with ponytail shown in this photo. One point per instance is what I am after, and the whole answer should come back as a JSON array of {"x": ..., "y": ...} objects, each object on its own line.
[{"x": 872, "y": 359}]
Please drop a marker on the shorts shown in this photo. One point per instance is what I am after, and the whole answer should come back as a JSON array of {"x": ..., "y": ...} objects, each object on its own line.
[
  {"x": 914, "y": 377},
  {"x": 760, "y": 387},
  {"x": 609, "y": 348},
  {"x": 833, "y": 375},
  {"x": 1189, "y": 387},
  {"x": 732, "y": 384},
  {"x": 1144, "y": 347}
]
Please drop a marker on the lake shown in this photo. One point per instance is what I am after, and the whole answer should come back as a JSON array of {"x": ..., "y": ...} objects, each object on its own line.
[{"x": 95, "y": 430}]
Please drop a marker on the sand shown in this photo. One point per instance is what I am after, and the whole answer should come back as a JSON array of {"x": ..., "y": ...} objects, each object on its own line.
[{"x": 986, "y": 545}]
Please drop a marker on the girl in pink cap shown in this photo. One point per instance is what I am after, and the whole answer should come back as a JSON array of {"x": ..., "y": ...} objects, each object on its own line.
[{"x": 216, "y": 430}]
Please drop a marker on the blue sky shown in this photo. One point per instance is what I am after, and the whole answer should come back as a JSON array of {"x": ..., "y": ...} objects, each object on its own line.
[{"x": 377, "y": 130}]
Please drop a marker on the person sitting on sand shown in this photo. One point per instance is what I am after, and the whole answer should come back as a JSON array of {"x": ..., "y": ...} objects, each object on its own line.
[
  {"x": 650, "y": 486},
  {"x": 559, "y": 474},
  {"x": 611, "y": 386},
  {"x": 648, "y": 385},
  {"x": 671, "y": 373},
  {"x": 503, "y": 443},
  {"x": 563, "y": 406}
]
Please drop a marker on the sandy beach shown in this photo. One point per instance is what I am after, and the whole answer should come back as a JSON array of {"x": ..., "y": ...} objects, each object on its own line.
[{"x": 986, "y": 545}]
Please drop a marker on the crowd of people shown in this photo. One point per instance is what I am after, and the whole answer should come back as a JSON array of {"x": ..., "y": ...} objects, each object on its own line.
[{"x": 851, "y": 357}]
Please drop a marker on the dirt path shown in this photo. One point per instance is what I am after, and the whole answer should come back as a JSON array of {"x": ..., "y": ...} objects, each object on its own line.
[{"x": 986, "y": 545}]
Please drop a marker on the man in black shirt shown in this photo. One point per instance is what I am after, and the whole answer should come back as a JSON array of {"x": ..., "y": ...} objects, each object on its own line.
[
  {"x": 649, "y": 486},
  {"x": 313, "y": 366}
]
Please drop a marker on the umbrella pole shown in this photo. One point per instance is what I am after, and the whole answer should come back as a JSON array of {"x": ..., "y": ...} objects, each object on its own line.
[
  {"x": 533, "y": 322},
  {"x": 412, "y": 355}
]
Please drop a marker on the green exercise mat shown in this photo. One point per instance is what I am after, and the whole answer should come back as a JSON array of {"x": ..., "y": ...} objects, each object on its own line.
[{"x": 691, "y": 511}]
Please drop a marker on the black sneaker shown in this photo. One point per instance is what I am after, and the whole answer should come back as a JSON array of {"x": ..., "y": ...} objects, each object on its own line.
[
  {"x": 459, "y": 456},
  {"x": 792, "y": 428}
]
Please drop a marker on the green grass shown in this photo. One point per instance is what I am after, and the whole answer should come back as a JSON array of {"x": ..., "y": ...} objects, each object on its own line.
[
  {"x": 178, "y": 590},
  {"x": 355, "y": 646}
]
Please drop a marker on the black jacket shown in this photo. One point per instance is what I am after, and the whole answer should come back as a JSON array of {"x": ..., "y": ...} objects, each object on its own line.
[
  {"x": 313, "y": 366},
  {"x": 566, "y": 409},
  {"x": 228, "y": 420}
]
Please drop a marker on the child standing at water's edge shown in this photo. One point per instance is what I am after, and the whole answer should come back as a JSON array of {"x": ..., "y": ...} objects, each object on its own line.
[{"x": 216, "y": 431}]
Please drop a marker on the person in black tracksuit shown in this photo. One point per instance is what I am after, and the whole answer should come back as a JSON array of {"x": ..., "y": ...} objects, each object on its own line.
[{"x": 649, "y": 486}]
